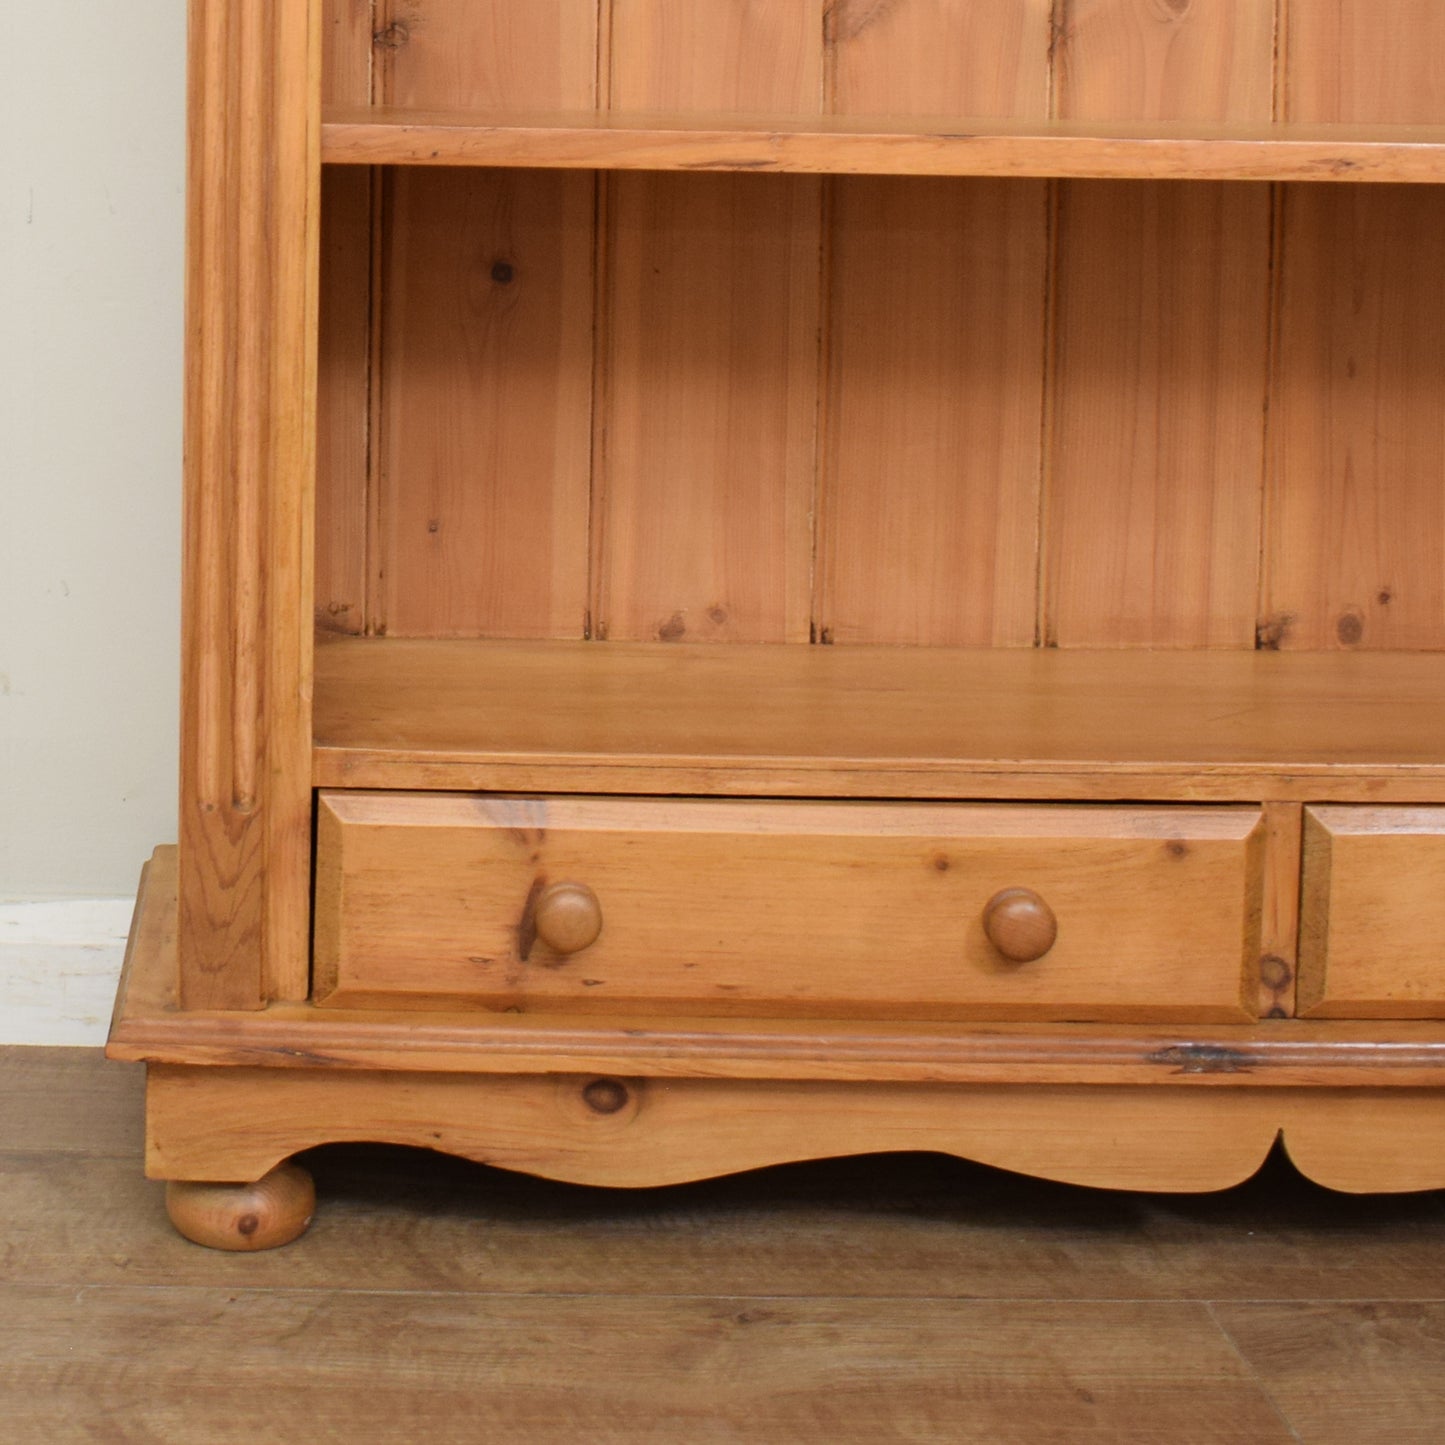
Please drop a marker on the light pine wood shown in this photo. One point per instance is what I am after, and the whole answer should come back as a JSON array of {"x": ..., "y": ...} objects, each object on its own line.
[
  {"x": 480, "y": 54},
  {"x": 1155, "y": 474},
  {"x": 1166, "y": 60},
  {"x": 709, "y": 350},
  {"x": 485, "y": 443},
  {"x": 343, "y": 415},
  {"x": 935, "y": 57},
  {"x": 1272, "y": 1054},
  {"x": 1373, "y": 916},
  {"x": 705, "y": 488},
  {"x": 884, "y": 146},
  {"x": 755, "y": 908},
  {"x": 485, "y": 341},
  {"x": 890, "y": 722},
  {"x": 697, "y": 55},
  {"x": 1280, "y": 909},
  {"x": 929, "y": 502},
  {"x": 253, "y": 188},
  {"x": 1356, "y": 544},
  {"x": 1362, "y": 62},
  {"x": 927, "y": 517},
  {"x": 242, "y": 1217},
  {"x": 633, "y": 1132}
]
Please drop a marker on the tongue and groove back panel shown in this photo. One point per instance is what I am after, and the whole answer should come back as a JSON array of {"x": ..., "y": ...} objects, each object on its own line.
[{"x": 693, "y": 407}]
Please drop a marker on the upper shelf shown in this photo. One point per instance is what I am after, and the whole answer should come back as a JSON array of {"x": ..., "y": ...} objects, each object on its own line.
[{"x": 838, "y": 145}]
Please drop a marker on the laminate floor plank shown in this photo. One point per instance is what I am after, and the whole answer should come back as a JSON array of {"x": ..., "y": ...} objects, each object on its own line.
[
  {"x": 912, "y": 1298},
  {"x": 70, "y": 1101},
  {"x": 1347, "y": 1373},
  {"x": 909, "y": 1226},
  {"x": 621, "y": 1368}
]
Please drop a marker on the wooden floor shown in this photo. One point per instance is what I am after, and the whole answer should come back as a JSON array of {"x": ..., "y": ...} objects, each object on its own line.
[{"x": 905, "y": 1299}]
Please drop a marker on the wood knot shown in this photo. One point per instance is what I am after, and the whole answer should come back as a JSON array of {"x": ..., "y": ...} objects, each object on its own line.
[
  {"x": 503, "y": 272},
  {"x": 1275, "y": 973},
  {"x": 1350, "y": 629},
  {"x": 248, "y": 1224},
  {"x": 391, "y": 37},
  {"x": 606, "y": 1096}
]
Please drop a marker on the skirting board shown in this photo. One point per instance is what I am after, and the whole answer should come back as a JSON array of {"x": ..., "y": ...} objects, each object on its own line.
[{"x": 59, "y": 965}]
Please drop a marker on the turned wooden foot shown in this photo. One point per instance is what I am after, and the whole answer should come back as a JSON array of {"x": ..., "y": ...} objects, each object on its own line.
[{"x": 273, "y": 1211}]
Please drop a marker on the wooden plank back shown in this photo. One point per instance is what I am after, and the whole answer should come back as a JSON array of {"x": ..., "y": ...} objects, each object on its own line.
[
  {"x": 928, "y": 507},
  {"x": 1355, "y": 541},
  {"x": 1160, "y": 363}
]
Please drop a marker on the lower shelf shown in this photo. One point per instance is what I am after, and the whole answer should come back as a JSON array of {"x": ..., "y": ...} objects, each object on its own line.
[{"x": 879, "y": 722}]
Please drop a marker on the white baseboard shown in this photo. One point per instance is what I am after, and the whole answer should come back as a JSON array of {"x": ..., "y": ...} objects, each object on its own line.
[{"x": 59, "y": 966}]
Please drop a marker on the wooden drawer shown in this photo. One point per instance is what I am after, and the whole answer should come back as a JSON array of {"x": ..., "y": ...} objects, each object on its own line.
[
  {"x": 1372, "y": 929},
  {"x": 823, "y": 908}
]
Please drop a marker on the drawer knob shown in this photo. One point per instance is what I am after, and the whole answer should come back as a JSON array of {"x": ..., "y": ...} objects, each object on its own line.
[
  {"x": 1019, "y": 924},
  {"x": 568, "y": 917}
]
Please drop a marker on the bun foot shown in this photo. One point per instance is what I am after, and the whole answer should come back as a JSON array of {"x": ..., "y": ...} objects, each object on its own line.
[{"x": 273, "y": 1211}]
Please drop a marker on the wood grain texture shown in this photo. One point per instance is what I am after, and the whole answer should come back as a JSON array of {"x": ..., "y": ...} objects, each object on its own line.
[
  {"x": 273, "y": 1211},
  {"x": 937, "y": 58},
  {"x": 619, "y": 1372},
  {"x": 711, "y": 356},
  {"x": 485, "y": 341},
  {"x": 885, "y": 722},
  {"x": 147, "y": 1027},
  {"x": 346, "y": 51},
  {"x": 718, "y": 908},
  {"x": 694, "y": 141},
  {"x": 344, "y": 359},
  {"x": 484, "y": 452},
  {"x": 1361, "y": 61},
  {"x": 1356, "y": 540},
  {"x": 476, "y": 54},
  {"x": 1155, "y": 483},
  {"x": 343, "y": 403},
  {"x": 697, "y": 55},
  {"x": 1342, "y": 1372},
  {"x": 1280, "y": 909},
  {"x": 924, "y": 1227},
  {"x": 709, "y": 349},
  {"x": 252, "y": 241},
  {"x": 236, "y": 1124},
  {"x": 928, "y": 515},
  {"x": 1165, "y": 59},
  {"x": 1373, "y": 913},
  {"x": 1156, "y": 473}
]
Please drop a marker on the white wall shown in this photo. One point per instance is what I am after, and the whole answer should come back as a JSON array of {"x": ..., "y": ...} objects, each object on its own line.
[{"x": 92, "y": 118}]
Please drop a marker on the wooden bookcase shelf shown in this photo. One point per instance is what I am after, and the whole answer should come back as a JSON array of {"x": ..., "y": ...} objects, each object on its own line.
[
  {"x": 874, "y": 721},
  {"x": 901, "y": 146},
  {"x": 912, "y": 632}
]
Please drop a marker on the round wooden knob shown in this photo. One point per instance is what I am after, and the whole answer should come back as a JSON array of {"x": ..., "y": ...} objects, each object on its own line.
[
  {"x": 1020, "y": 924},
  {"x": 568, "y": 917}
]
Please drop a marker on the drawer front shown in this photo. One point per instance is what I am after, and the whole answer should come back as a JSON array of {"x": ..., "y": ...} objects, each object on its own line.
[
  {"x": 708, "y": 907},
  {"x": 1372, "y": 927}
]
